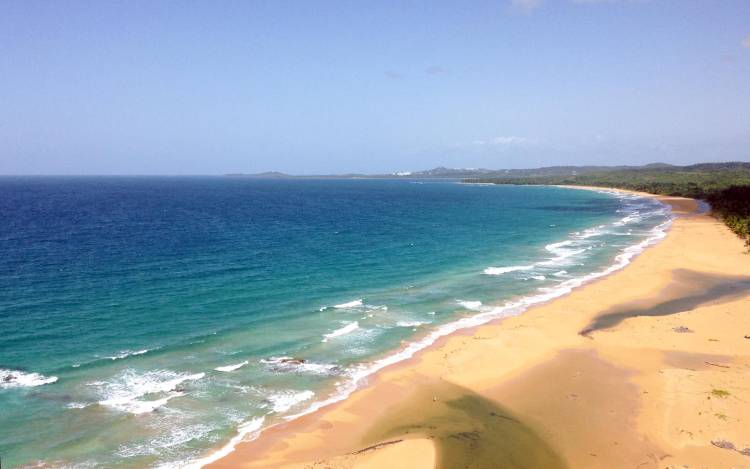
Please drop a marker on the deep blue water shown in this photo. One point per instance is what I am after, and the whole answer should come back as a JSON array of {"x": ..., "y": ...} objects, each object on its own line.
[{"x": 146, "y": 319}]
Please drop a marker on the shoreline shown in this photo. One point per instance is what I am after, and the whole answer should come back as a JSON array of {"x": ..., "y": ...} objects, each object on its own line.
[
  {"x": 303, "y": 440},
  {"x": 403, "y": 356}
]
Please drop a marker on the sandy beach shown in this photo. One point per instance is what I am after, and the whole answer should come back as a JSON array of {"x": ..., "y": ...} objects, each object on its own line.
[{"x": 648, "y": 367}]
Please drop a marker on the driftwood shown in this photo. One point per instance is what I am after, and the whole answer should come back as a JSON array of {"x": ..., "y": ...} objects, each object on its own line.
[
  {"x": 716, "y": 364},
  {"x": 377, "y": 446}
]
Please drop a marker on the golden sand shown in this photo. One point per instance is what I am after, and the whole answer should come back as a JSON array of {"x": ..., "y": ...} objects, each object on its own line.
[{"x": 648, "y": 368}]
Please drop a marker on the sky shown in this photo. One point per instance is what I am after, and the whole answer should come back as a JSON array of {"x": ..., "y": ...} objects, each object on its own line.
[{"x": 315, "y": 87}]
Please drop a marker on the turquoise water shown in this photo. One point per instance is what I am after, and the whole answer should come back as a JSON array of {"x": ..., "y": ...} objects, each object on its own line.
[{"x": 155, "y": 321}]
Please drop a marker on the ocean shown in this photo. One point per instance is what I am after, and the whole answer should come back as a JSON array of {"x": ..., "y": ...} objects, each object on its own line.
[{"x": 157, "y": 321}]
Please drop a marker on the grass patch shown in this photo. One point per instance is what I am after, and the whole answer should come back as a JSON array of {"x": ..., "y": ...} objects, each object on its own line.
[{"x": 720, "y": 393}]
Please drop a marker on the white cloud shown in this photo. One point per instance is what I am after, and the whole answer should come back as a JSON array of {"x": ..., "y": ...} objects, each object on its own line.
[
  {"x": 510, "y": 141},
  {"x": 435, "y": 70},
  {"x": 503, "y": 141},
  {"x": 393, "y": 74},
  {"x": 610, "y": 1},
  {"x": 526, "y": 5},
  {"x": 746, "y": 42}
]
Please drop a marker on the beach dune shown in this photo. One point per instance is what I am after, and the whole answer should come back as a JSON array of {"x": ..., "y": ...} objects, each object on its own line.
[{"x": 648, "y": 367}]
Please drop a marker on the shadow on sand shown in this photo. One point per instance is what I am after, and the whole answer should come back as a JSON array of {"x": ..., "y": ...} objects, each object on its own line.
[
  {"x": 687, "y": 291},
  {"x": 469, "y": 431}
]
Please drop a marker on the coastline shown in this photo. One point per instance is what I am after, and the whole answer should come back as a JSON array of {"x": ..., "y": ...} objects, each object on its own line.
[{"x": 508, "y": 364}]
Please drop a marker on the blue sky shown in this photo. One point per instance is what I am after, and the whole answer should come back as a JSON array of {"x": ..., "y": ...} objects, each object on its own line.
[{"x": 162, "y": 87}]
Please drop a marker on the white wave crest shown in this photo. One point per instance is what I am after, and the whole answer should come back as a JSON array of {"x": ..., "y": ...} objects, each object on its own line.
[
  {"x": 591, "y": 232},
  {"x": 505, "y": 270},
  {"x": 127, "y": 353},
  {"x": 76, "y": 405},
  {"x": 23, "y": 379},
  {"x": 562, "y": 252},
  {"x": 472, "y": 305},
  {"x": 628, "y": 219},
  {"x": 555, "y": 247},
  {"x": 411, "y": 323},
  {"x": 351, "y": 304},
  {"x": 352, "y": 326},
  {"x": 229, "y": 368}
]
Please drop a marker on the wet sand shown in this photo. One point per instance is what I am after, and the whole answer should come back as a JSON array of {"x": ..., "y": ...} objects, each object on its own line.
[{"x": 648, "y": 367}]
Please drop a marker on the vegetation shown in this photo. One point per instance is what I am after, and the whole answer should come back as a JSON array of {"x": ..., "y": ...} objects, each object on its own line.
[
  {"x": 725, "y": 186},
  {"x": 720, "y": 393},
  {"x": 733, "y": 206}
]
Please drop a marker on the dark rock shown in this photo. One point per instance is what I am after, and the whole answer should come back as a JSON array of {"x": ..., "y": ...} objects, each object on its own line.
[
  {"x": 293, "y": 361},
  {"x": 723, "y": 444}
]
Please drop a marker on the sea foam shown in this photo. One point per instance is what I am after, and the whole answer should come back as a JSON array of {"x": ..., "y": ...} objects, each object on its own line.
[
  {"x": 283, "y": 401},
  {"x": 23, "y": 379},
  {"x": 176, "y": 435},
  {"x": 246, "y": 431},
  {"x": 139, "y": 393},
  {"x": 295, "y": 365}
]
